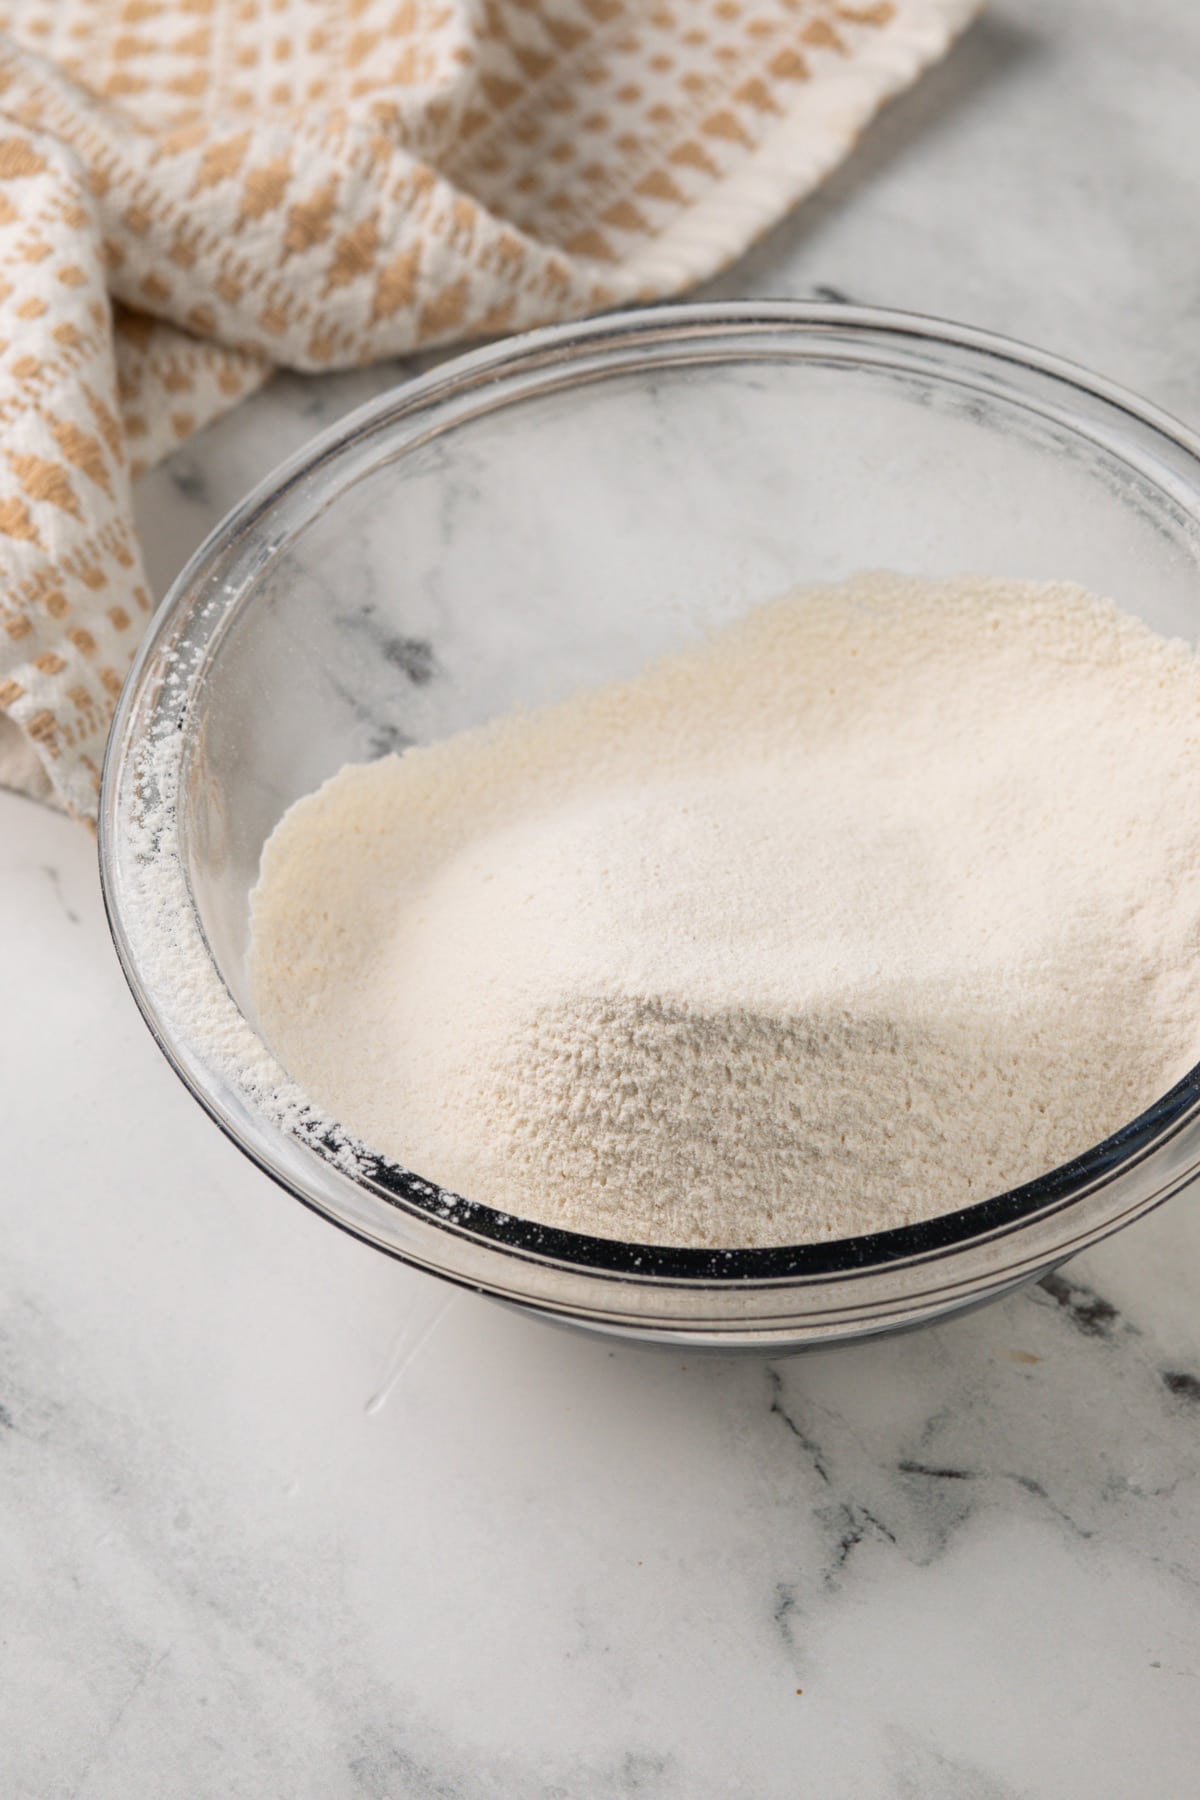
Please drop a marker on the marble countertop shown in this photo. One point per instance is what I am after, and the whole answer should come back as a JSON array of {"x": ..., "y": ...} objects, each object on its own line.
[{"x": 279, "y": 1517}]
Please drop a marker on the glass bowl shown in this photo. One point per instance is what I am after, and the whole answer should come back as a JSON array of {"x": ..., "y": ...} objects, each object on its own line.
[{"x": 550, "y": 513}]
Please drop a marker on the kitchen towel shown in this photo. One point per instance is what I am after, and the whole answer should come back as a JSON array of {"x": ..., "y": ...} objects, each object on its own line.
[{"x": 194, "y": 191}]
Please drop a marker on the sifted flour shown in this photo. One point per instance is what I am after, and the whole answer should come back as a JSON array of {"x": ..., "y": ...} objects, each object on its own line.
[{"x": 880, "y": 902}]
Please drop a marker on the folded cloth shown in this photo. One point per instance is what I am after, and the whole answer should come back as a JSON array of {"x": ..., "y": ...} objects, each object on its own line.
[{"x": 193, "y": 191}]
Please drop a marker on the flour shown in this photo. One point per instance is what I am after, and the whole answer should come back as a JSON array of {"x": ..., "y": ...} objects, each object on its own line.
[{"x": 879, "y": 903}]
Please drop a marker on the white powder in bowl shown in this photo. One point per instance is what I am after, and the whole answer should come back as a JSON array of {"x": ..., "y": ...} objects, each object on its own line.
[{"x": 882, "y": 901}]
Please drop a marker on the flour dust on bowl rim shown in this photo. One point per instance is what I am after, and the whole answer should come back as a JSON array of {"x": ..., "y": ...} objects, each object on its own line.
[{"x": 549, "y": 514}]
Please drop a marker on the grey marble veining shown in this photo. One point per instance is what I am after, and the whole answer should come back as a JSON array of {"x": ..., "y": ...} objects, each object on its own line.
[{"x": 281, "y": 1518}]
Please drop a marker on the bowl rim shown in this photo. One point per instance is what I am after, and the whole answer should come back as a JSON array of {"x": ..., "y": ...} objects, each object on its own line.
[{"x": 603, "y": 1260}]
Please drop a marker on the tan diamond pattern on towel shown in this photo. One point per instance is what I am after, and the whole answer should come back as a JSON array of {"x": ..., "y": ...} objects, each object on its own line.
[{"x": 193, "y": 191}]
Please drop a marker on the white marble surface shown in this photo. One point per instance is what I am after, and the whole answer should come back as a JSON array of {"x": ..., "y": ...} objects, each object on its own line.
[{"x": 279, "y": 1518}]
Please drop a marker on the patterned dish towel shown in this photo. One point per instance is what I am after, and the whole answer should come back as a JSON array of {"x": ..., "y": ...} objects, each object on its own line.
[{"x": 192, "y": 191}]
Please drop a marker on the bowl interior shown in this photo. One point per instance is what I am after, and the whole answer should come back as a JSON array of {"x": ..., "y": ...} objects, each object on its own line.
[{"x": 544, "y": 541}]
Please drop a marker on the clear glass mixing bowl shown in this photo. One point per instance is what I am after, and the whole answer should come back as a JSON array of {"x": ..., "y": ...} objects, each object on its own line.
[{"x": 550, "y": 513}]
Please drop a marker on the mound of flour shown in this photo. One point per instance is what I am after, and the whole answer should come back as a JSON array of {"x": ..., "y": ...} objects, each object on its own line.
[{"x": 880, "y": 902}]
